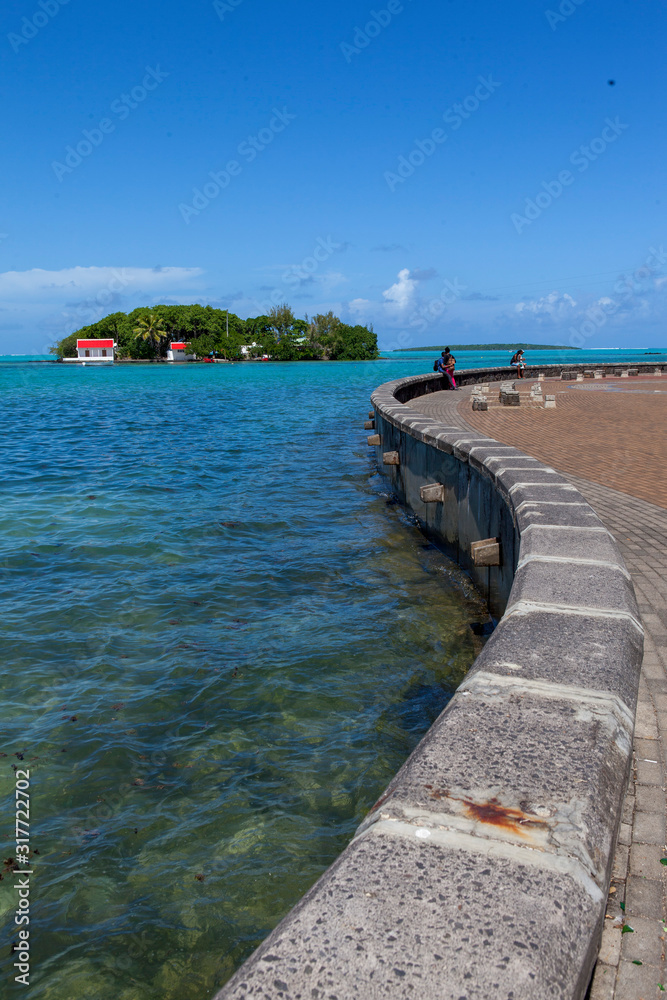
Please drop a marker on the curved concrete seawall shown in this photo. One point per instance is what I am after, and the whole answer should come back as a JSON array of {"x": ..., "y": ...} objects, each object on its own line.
[{"x": 483, "y": 870}]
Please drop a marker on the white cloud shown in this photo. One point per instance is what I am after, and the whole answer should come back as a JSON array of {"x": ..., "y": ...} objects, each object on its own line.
[
  {"x": 400, "y": 295},
  {"x": 553, "y": 306},
  {"x": 82, "y": 282}
]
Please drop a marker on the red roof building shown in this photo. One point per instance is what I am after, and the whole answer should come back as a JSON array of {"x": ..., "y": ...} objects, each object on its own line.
[
  {"x": 178, "y": 351},
  {"x": 95, "y": 350}
]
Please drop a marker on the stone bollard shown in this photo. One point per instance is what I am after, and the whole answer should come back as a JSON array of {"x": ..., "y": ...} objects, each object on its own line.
[
  {"x": 485, "y": 387},
  {"x": 479, "y": 403},
  {"x": 580, "y": 376},
  {"x": 433, "y": 493},
  {"x": 598, "y": 374},
  {"x": 625, "y": 374},
  {"x": 540, "y": 377},
  {"x": 550, "y": 402},
  {"x": 485, "y": 552},
  {"x": 588, "y": 374},
  {"x": 510, "y": 397},
  {"x": 565, "y": 376},
  {"x": 390, "y": 458},
  {"x": 658, "y": 372},
  {"x": 369, "y": 425},
  {"x": 374, "y": 440},
  {"x": 633, "y": 371}
]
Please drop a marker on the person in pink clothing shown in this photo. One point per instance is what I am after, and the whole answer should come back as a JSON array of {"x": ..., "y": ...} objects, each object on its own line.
[{"x": 446, "y": 366}]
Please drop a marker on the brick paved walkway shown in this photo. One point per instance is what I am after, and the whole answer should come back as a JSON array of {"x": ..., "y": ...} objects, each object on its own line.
[
  {"x": 592, "y": 432},
  {"x": 613, "y": 431}
]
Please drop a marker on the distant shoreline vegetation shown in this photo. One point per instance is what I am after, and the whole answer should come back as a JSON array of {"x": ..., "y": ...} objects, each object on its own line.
[
  {"x": 146, "y": 333},
  {"x": 492, "y": 347}
]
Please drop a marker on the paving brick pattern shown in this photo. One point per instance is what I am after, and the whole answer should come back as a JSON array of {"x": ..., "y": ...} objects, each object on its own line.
[
  {"x": 590, "y": 436},
  {"x": 614, "y": 431}
]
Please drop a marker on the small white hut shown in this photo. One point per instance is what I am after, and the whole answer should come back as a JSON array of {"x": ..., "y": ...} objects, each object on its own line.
[
  {"x": 177, "y": 352},
  {"x": 96, "y": 351}
]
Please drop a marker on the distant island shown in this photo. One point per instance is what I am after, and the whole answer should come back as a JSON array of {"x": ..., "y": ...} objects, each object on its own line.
[
  {"x": 146, "y": 333},
  {"x": 493, "y": 347}
]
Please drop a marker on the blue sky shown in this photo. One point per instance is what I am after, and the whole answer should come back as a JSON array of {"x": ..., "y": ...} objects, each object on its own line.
[{"x": 448, "y": 171}]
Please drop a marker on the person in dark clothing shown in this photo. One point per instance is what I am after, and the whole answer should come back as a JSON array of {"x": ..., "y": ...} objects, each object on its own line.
[
  {"x": 518, "y": 363},
  {"x": 446, "y": 366}
]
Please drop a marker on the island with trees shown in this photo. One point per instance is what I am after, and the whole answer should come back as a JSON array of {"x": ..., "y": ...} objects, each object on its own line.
[{"x": 146, "y": 332}]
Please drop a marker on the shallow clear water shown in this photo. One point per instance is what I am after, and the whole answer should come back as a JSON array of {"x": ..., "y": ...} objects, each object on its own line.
[{"x": 221, "y": 638}]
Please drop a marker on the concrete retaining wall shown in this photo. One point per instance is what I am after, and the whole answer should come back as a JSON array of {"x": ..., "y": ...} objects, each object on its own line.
[{"x": 483, "y": 870}]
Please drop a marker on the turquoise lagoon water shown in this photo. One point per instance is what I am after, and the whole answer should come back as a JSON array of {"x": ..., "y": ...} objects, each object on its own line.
[{"x": 221, "y": 637}]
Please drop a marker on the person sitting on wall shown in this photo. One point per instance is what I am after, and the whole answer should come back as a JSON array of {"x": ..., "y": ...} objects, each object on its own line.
[
  {"x": 446, "y": 366},
  {"x": 518, "y": 363}
]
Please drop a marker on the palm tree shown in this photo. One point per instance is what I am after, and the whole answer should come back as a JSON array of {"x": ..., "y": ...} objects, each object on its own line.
[{"x": 153, "y": 330}]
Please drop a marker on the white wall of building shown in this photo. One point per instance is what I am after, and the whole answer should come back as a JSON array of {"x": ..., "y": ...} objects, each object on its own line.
[
  {"x": 95, "y": 353},
  {"x": 178, "y": 355}
]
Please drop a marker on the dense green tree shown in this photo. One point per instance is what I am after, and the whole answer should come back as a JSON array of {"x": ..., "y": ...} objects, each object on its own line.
[
  {"x": 354, "y": 343},
  {"x": 281, "y": 321}
]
